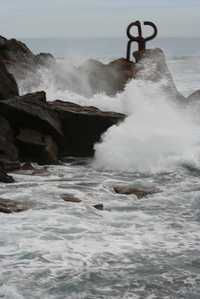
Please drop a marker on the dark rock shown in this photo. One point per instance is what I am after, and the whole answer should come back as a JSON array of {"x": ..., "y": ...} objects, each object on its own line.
[
  {"x": 27, "y": 166},
  {"x": 8, "y": 85},
  {"x": 139, "y": 192},
  {"x": 71, "y": 198},
  {"x": 12, "y": 206},
  {"x": 20, "y": 60},
  {"x": 83, "y": 127},
  {"x": 36, "y": 147},
  {"x": 8, "y": 150},
  {"x": 36, "y": 127},
  {"x": 99, "y": 207},
  {"x": 4, "y": 178},
  {"x": 32, "y": 112}
]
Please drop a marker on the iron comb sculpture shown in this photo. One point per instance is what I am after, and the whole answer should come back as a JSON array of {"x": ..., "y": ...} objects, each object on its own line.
[{"x": 139, "y": 39}]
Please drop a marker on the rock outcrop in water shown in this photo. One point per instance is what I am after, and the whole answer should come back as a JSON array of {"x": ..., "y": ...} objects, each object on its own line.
[
  {"x": 35, "y": 130},
  {"x": 19, "y": 59},
  {"x": 82, "y": 126}
]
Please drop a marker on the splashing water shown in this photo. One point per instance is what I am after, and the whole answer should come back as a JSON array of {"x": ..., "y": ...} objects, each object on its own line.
[{"x": 155, "y": 134}]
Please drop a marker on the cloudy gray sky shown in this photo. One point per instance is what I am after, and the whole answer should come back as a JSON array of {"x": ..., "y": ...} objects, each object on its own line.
[{"x": 86, "y": 18}]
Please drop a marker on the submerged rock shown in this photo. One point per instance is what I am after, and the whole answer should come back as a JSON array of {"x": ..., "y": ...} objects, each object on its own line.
[
  {"x": 83, "y": 126},
  {"x": 71, "y": 198},
  {"x": 139, "y": 192},
  {"x": 99, "y": 207},
  {"x": 12, "y": 206}
]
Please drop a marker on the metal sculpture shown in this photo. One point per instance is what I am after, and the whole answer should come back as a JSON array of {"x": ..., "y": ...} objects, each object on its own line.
[{"x": 139, "y": 39}]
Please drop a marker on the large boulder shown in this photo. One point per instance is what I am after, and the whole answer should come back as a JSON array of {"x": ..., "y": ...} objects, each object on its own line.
[
  {"x": 9, "y": 206},
  {"x": 83, "y": 126},
  {"x": 36, "y": 127}
]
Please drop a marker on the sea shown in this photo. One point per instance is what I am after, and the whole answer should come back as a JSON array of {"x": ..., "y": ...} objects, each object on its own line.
[{"x": 134, "y": 248}]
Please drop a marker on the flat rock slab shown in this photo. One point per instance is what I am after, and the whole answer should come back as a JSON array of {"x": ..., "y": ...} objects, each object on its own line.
[
  {"x": 83, "y": 126},
  {"x": 138, "y": 192},
  {"x": 11, "y": 206}
]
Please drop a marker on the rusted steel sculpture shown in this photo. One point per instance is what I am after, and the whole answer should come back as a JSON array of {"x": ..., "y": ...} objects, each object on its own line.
[{"x": 139, "y": 39}]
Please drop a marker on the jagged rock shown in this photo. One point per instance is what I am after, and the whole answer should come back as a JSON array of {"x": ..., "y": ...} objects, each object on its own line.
[
  {"x": 8, "y": 85},
  {"x": 20, "y": 60},
  {"x": 36, "y": 147},
  {"x": 151, "y": 66},
  {"x": 83, "y": 126},
  {"x": 32, "y": 112},
  {"x": 12, "y": 206},
  {"x": 36, "y": 127},
  {"x": 8, "y": 150},
  {"x": 140, "y": 192}
]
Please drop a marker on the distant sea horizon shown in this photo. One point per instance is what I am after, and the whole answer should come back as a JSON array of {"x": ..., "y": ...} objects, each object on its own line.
[{"x": 109, "y": 47}]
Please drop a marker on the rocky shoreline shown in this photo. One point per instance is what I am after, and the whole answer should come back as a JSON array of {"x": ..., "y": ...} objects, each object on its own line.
[{"x": 35, "y": 130}]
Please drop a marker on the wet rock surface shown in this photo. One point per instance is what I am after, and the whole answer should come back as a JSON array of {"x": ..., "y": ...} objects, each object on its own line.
[
  {"x": 8, "y": 206},
  {"x": 99, "y": 207},
  {"x": 83, "y": 126},
  {"x": 71, "y": 198},
  {"x": 139, "y": 192},
  {"x": 4, "y": 177},
  {"x": 8, "y": 85},
  {"x": 8, "y": 149}
]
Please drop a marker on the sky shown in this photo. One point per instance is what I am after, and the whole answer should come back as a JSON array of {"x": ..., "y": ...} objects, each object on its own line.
[{"x": 96, "y": 18}]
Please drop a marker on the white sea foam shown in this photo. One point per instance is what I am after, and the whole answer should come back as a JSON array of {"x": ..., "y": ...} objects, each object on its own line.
[{"x": 156, "y": 133}]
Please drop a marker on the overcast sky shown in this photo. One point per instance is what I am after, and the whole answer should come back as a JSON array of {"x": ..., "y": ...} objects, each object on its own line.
[{"x": 87, "y": 18}]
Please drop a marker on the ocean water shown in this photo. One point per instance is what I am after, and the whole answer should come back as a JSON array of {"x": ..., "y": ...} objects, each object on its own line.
[{"x": 138, "y": 249}]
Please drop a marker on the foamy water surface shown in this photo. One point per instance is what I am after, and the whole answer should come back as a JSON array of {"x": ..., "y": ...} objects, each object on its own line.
[{"x": 147, "y": 248}]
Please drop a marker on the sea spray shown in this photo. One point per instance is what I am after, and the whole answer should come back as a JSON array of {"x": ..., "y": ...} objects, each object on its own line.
[{"x": 156, "y": 134}]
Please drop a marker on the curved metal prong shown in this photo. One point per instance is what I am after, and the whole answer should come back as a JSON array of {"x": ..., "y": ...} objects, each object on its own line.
[{"x": 155, "y": 31}]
